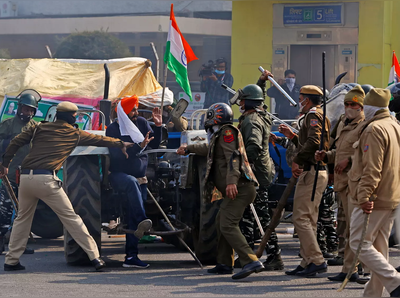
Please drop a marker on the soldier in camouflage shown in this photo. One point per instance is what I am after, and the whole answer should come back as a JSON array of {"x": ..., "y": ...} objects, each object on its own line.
[
  {"x": 255, "y": 126},
  {"x": 10, "y": 128}
]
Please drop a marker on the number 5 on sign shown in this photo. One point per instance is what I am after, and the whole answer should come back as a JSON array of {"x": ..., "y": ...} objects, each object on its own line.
[{"x": 319, "y": 14}]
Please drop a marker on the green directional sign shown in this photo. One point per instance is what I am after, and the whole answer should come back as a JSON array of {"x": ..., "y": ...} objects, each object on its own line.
[{"x": 308, "y": 15}]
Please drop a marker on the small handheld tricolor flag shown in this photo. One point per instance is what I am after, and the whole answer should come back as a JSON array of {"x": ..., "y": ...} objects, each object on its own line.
[
  {"x": 178, "y": 54},
  {"x": 394, "y": 76}
]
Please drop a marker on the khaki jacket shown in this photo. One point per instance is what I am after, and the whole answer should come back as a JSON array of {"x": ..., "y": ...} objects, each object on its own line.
[
  {"x": 346, "y": 136},
  {"x": 52, "y": 143},
  {"x": 375, "y": 172},
  {"x": 309, "y": 137}
]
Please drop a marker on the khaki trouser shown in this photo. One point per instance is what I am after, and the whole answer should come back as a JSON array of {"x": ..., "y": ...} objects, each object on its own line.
[
  {"x": 349, "y": 256},
  {"x": 230, "y": 238},
  {"x": 375, "y": 250},
  {"x": 305, "y": 215},
  {"x": 48, "y": 189}
]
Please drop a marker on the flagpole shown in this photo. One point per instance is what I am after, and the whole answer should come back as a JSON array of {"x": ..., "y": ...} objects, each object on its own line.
[{"x": 164, "y": 85}]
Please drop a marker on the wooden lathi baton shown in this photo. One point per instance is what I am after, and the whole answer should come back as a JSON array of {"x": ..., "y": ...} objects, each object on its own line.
[
  {"x": 276, "y": 218},
  {"x": 11, "y": 193}
]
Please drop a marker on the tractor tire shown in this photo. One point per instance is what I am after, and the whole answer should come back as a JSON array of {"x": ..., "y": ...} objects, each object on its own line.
[
  {"x": 46, "y": 223},
  {"x": 82, "y": 184},
  {"x": 205, "y": 235},
  {"x": 204, "y": 232}
]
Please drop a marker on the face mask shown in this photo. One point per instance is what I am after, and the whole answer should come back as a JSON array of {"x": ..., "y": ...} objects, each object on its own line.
[
  {"x": 352, "y": 113},
  {"x": 241, "y": 110},
  {"x": 24, "y": 118},
  {"x": 290, "y": 83},
  {"x": 67, "y": 117},
  {"x": 220, "y": 72},
  {"x": 370, "y": 111},
  {"x": 301, "y": 109}
]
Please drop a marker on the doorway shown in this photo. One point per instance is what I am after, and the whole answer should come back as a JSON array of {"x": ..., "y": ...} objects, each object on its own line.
[{"x": 306, "y": 61}]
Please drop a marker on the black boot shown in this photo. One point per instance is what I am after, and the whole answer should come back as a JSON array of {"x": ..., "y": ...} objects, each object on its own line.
[
  {"x": 273, "y": 262},
  {"x": 1, "y": 244}
]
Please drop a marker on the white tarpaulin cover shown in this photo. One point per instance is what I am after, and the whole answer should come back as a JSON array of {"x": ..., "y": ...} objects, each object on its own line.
[{"x": 80, "y": 81}]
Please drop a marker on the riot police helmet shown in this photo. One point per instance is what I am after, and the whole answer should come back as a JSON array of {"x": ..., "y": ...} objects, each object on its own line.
[
  {"x": 252, "y": 92},
  {"x": 218, "y": 114},
  {"x": 367, "y": 88},
  {"x": 395, "y": 90}
]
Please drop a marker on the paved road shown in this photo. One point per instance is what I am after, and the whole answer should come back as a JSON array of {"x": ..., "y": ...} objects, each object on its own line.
[{"x": 172, "y": 273}]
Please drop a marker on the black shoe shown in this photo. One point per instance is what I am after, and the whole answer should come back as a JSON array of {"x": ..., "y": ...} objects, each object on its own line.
[
  {"x": 398, "y": 269},
  {"x": 255, "y": 266},
  {"x": 221, "y": 269},
  {"x": 363, "y": 280},
  {"x": 98, "y": 264},
  {"x": 328, "y": 255},
  {"x": 293, "y": 272},
  {"x": 395, "y": 292},
  {"x": 273, "y": 262},
  {"x": 337, "y": 261},
  {"x": 1, "y": 244},
  {"x": 312, "y": 270},
  {"x": 341, "y": 277},
  {"x": 13, "y": 267},
  {"x": 29, "y": 251}
]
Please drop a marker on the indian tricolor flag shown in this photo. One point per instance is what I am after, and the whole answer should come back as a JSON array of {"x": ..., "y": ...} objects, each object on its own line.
[
  {"x": 394, "y": 76},
  {"x": 178, "y": 54}
]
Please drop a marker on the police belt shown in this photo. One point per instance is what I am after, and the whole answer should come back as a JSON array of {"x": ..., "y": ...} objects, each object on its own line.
[
  {"x": 38, "y": 172},
  {"x": 308, "y": 167}
]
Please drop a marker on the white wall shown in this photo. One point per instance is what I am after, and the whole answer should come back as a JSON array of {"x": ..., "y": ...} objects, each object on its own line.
[{"x": 87, "y": 7}]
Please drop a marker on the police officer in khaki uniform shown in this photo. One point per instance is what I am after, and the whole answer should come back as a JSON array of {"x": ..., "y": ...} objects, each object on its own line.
[
  {"x": 228, "y": 171},
  {"x": 374, "y": 188},
  {"x": 305, "y": 212},
  {"x": 51, "y": 144},
  {"x": 347, "y": 133}
]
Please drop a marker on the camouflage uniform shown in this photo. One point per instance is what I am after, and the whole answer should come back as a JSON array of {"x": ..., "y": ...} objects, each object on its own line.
[
  {"x": 326, "y": 225},
  {"x": 255, "y": 128}
]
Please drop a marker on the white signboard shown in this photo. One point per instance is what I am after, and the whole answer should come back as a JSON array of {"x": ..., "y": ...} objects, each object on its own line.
[{"x": 196, "y": 104}]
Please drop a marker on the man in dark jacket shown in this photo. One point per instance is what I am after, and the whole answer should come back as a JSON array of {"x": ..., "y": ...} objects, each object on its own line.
[
  {"x": 282, "y": 106},
  {"x": 129, "y": 175},
  {"x": 9, "y": 129}
]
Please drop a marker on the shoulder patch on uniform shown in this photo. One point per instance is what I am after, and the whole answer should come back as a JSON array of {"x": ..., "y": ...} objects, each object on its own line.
[
  {"x": 312, "y": 110},
  {"x": 228, "y": 136},
  {"x": 366, "y": 147},
  {"x": 314, "y": 122}
]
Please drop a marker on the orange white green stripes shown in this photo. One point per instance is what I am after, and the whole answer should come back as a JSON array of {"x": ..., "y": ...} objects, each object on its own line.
[
  {"x": 394, "y": 76},
  {"x": 178, "y": 54}
]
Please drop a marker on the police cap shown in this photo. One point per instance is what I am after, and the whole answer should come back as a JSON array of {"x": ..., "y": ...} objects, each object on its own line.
[
  {"x": 67, "y": 106},
  {"x": 311, "y": 90}
]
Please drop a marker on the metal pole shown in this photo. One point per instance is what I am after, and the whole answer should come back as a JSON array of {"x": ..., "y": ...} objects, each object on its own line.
[
  {"x": 172, "y": 227},
  {"x": 157, "y": 60},
  {"x": 164, "y": 85},
  {"x": 257, "y": 219},
  {"x": 230, "y": 90},
  {"x": 279, "y": 87}
]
